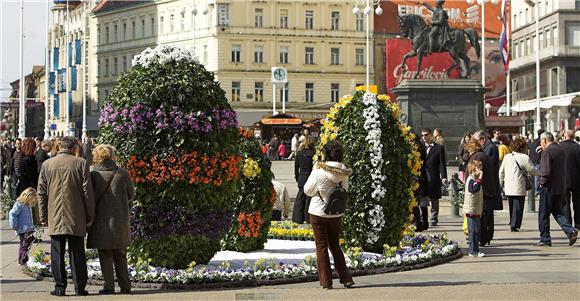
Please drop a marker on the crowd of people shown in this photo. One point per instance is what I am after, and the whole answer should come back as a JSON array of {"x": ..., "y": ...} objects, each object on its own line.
[{"x": 74, "y": 190}]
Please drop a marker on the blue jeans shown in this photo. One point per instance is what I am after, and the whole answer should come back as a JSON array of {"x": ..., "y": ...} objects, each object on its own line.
[
  {"x": 551, "y": 205},
  {"x": 474, "y": 232}
]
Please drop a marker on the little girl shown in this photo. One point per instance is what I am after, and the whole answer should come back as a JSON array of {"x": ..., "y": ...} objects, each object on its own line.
[
  {"x": 21, "y": 221},
  {"x": 473, "y": 206}
]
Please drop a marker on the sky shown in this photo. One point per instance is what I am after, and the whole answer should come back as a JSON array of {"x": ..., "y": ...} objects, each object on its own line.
[{"x": 34, "y": 41}]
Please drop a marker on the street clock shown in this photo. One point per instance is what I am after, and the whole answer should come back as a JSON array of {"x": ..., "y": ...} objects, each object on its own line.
[{"x": 279, "y": 75}]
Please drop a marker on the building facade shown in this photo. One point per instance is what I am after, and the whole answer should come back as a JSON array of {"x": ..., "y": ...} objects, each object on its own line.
[
  {"x": 322, "y": 45},
  {"x": 559, "y": 53}
]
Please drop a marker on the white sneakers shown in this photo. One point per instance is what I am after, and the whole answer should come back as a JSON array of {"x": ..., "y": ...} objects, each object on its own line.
[{"x": 477, "y": 255}]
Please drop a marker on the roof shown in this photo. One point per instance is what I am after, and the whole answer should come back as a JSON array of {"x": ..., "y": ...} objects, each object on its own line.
[{"x": 110, "y": 5}]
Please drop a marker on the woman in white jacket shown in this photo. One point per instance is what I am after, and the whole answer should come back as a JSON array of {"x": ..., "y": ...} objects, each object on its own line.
[
  {"x": 514, "y": 168},
  {"x": 327, "y": 174}
]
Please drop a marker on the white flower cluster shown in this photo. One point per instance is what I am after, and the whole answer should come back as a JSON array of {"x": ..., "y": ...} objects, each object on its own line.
[
  {"x": 372, "y": 125},
  {"x": 164, "y": 54},
  {"x": 377, "y": 219}
]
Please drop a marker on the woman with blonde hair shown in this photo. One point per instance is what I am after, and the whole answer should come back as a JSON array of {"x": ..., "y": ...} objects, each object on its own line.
[
  {"x": 302, "y": 169},
  {"x": 110, "y": 233}
]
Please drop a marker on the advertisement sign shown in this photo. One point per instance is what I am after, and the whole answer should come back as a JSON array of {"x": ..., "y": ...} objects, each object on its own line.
[
  {"x": 435, "y": 66},
  {"x": 462, "y": 14}
]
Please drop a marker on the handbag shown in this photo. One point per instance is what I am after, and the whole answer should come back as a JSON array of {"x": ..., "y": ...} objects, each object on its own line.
[
  {"x": 526, "y": 176},
  {"x": 337, "y": 200}
]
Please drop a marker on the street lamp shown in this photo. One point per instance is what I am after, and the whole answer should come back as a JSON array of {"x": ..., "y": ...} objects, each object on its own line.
[
  {"x": 368, "y": 11},
  {"x": 534, "y": 4},
  {"x": 22, "y": 84},
  {"x": 487, "y": 108}
]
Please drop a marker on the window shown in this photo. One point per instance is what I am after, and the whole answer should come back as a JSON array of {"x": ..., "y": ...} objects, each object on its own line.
[
  {"x": 152, "y": 26},
  {"x": 573, "y": 33},
  {"x": 259, "y": 17},
  {"x": 99, "y": 68},
  {"x": 572, "y": 80},
  {"x": 577, "y": 4},
  {"x": 124, "y": 63},
  {"x": 115, "y": 34},
  {"x": 205, "y": 55},
  {"x": 359, "y": 22},
  {"x": 309, "y": 92},
  {"x": 334, "y": 56},
  {"x": 171, "y": 19},
  {"x": 284, "y": 18},
  {"x": 124, "y": 31},
  {"x": 309, "y": 56},
  {"x": 548, "y": 37},
  {"x": 515, "y": 51},
  {"x": 359, "y": 56},
  {"x": 224, "y": 18},
  {"x": 182, "y": 20},
  {"x": 142, "y": 28},
  {"x": 236, "y": 91},
  {"x": 334, "y": 20},
  {"x": 528, "y": 47},
  {"x": 285, "y": 91},
  {"x": 309, "y": 19},
  {"x": 334, "y": 92},
  {"x": 107, "y": 34},
  {"x": 99, "y": 40},
  {"x": 106, "y": 67},
  {"x": 259, "y": 91},
  {"x": 133, "y": 31},
  {"x": 115, "y": 65},
  {"x": 236, "y": 53},
  {"x": 556, "y": 36},
  {"x": 542, "y": 45},
  {"x": 161, "y": 23},
  {"x": 554, "y": 81},
  {"x": 259, "y": 54},
  {"x": 284, "y": 55},
  {"x": 515, "y": 20}
]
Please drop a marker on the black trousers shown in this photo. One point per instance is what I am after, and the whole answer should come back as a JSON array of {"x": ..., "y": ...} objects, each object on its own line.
[
  {"x": 572, "y": 195},
  {"x": 487, "y": 221},
  {"x": 78, "y": 261},
  {"x": 516, "y": 204},
  {"x": 119, "y": 258}
]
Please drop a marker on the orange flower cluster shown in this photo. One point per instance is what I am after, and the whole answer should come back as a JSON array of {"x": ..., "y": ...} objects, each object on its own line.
[
  {"x": 246, "y": 133},
  {"x": 190, "y": 167},
  {"x": 249, "y": 223}
]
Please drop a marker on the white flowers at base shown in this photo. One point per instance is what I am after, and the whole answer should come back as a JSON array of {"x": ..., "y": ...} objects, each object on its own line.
[
  {"x": 372, "y": 125},
  {"x": 164, "y": 54}
]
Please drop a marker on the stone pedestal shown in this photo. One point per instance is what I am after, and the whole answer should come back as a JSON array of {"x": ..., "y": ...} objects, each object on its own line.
[{"x": 454, "y": 105}]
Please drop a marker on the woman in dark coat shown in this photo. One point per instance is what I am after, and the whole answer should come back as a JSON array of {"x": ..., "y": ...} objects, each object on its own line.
[
  {"x": 28, "y": 173},
  {"x": 462, "y": 155},
  {"x": 110, "y": 232},
  {"x": 420, "y": 212},
  {"x": 302, "y": 169}
]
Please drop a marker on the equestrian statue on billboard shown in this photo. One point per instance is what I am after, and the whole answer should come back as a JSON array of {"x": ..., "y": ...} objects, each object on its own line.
[{"x": 438, "y": 37}]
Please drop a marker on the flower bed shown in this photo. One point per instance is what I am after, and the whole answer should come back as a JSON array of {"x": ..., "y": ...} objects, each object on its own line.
[
  {"x": 288, "y": 230},
  {"x": 413, "y": 251}
]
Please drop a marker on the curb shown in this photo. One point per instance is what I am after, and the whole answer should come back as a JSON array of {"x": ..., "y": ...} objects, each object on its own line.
[{"x": 265, "y": 282}]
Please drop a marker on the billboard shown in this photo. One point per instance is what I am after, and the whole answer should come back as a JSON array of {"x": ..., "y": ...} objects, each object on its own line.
[
  {"x": 435, "y": 65},
  {"x": 462, "y": 14}
]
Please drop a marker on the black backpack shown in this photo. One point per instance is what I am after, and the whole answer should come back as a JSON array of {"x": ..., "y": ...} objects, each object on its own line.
[{"x": 337, "y": 200}]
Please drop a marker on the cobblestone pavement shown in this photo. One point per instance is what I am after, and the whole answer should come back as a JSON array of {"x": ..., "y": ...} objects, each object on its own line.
[{"x": 514, "y": 269}]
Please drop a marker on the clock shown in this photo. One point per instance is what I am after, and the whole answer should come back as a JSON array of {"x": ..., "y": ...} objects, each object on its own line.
[{"x": 279, "y": 75}]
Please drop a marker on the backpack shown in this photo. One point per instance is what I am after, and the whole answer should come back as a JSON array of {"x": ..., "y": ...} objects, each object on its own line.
[{"x": 337, "y": 200}]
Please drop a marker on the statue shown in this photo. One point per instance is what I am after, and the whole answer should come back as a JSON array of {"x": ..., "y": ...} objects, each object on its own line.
[{"x": 437, "y": 38}]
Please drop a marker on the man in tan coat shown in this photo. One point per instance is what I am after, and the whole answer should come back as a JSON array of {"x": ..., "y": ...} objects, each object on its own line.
[{"x": 67, "y": 207}]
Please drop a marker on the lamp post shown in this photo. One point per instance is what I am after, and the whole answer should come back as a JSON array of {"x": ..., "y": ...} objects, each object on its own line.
[
  {"x": 84, "y": 58},
  {"x": 46, "y": 76},
  {"x": 368, "y": 11},
  {"x": 22, "y": 85},
  {"x": 193, "y": 14}
]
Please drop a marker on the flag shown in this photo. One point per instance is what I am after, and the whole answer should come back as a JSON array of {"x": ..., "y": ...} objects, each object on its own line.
[
  {"x": 51, "y": 80},
  {"x": 56, "y": 106},
  {"x": 503, "y": 40},
  {"x": 78, "y": 52}
]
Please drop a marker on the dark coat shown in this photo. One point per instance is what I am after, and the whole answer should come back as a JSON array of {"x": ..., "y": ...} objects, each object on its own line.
[
  {"x": 553, "y": 169},
  {"x": 572, "y": 152},
  {"x": 489, "y": 191},
  {"x": 534, "y": 155},
  {"x": 111, "y": 229},
  {"x": 490, "y": 149},
  {"x": 435, "y": 170},
  {"x": 303, "y": 166},
  {"x": 41, "y": 156},
  {"x": 28, "y": 174}
]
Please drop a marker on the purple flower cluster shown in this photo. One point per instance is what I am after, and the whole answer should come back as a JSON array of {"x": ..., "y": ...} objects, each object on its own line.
[
  {"x": 154, "y": 222},
  {"x": 139, "y": 118}
]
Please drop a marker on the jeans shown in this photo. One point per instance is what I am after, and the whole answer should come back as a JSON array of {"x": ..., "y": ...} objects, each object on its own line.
[
  {"x": 516, "y": 204},
  {"x": 551, "y": 205},
  {"x": 474, "y": 230}
]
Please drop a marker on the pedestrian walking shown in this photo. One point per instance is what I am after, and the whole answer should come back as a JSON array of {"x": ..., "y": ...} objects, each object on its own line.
[
  {"x": 67, "y": 207},
  {"x": 302, "y": 170},
  {"x": 572, "y": 190},
  {"x": 14, "y": 166},
  {"x": 328, "y": 173},
  {"x": 27, "y": 175},
  {"x": 535, "y": 156},
  {"x": 420, "y": 212},
  {"x": 110, "y": 232},
  {"x": 514, "y": 172},
  {"x": 473, "y": 206},
  {"x": 436, "y": 171},
  {"x": 503, "y": 147},
  {"x": 293, "y": 147},
  {"x": 20, "y": 218},
  {"x": 42, "y": 154},
  {"x": 282, "y": 151},
  {"x": 274, "y": 144},
  {"x": 282, "y": 201},
  {"x": 438, "y": 137},
  {"x": 552, "y": 187}
]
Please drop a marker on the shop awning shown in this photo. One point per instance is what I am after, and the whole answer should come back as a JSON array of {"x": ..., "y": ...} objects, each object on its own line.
[
  {"x": 547, "y": 102},
  {"x": 503, "y": 121},
  {"x": 281, "y": 119}
]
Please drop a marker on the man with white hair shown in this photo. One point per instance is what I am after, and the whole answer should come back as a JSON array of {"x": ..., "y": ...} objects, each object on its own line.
[
  {"x": 572, "y": 189},
  {"x": 492, "y": 191},
  {"x": 552, "y": 186}
]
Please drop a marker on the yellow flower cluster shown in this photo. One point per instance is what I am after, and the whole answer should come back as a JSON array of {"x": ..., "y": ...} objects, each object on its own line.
[
  {"x": 291, "y": 232},
  {"x": 251, "y": 168}
]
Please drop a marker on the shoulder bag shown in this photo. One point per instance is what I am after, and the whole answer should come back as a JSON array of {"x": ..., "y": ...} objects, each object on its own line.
[
  {"x": 337, "y": 200},
  {"x": 526, "y": 176},
  {"x": 107, "y": 186}
]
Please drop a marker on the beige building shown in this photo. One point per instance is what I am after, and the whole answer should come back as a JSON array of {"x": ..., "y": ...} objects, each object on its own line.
[{"x": 322, "y": 45}]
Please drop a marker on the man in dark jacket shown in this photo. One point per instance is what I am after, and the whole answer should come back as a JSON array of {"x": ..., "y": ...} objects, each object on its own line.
[
  {"x": 572, "y": 190},
  {"x": 436, "y": 171},
  {"x": 535, "y": 156},
  {"x": 42, "y": 153},
  {"x": 552, "y": 186}
]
